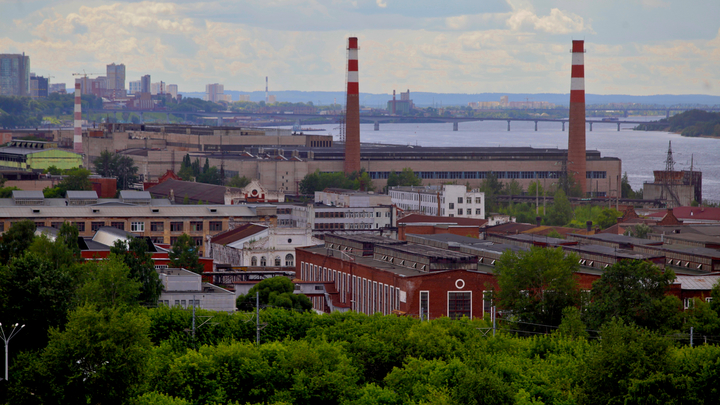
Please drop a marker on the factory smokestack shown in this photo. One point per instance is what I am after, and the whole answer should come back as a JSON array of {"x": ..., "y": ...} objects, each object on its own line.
[
  {"x": 576, "y": 135},
  {"x": 352, "y": 110},
  {"x": 267, "y": 97},
  {"x": 77, "y": 135},
  {"x": 393, "y": 105}
]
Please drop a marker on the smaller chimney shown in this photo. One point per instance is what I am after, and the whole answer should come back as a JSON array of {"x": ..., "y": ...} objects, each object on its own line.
[
  {"x": 588, "y": 226},
  {"x": 538, "y": 221}
]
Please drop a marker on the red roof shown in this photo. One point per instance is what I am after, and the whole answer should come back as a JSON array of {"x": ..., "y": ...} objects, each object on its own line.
[
  {"x": 236, "y": 234},
  {"x": 510, "y": 228},
  {"x": 429, "y": 219},
  {"x": 691, "y": 213}
]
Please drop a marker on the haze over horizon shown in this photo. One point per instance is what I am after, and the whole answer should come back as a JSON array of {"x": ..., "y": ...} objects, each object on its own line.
[{"x": 636, "y": 47}]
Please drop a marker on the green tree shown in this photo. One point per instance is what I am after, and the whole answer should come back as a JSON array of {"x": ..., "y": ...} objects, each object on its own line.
[
  {"x": 560, "y": 212},
  {"x": 512, "y": 188},
  {"x": 136, "y": 256},
  {"x": 98, "y": 358},
  {"x": 536, "y": 285},
  {"x": 53, "y": 170},
  {"x": 626, "y": 190},
  {"x": 607, "y": 218},
  {"x": 631, "y": 290},
  {"x": 492, "y": 187},
  {"x": 16, "y": 239},
  {"x": 639, "y": 231},
  {"x": 37, "y": 293},
  {"x": 536, "y": 188},
  {"x": 109, "y": 284},
  {"x": 572, "y": 325},
  {"x": 237, "y": 181},
  {"x": 275, "y": 292},
  {"x": 122, "y": 167},
  {"x": 405, "y": 178},
  {"x": 184, "y": 254}
]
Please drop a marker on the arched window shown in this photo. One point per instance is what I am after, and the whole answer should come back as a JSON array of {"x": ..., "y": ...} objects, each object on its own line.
[
  {"x": 289, "y": 260},
  {"x": 253, "y": 261},
  {"x": 277, "y": 261},
  {"x": 263, "y": 261}
]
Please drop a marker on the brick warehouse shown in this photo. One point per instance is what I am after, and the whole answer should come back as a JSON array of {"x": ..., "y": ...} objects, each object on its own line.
[{"x": 373, "y": 274}]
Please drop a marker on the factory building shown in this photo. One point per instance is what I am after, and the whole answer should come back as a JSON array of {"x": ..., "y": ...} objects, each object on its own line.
[{"x": 37, "y": 156}]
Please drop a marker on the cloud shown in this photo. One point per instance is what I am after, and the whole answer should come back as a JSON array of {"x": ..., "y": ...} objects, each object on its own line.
[
  {"x": 557, "y": 22},
  {"x": 381, "y": 3}
]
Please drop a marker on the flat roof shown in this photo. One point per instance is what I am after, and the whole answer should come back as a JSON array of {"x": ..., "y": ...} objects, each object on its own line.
[
  {"x": 622, "y": 239},
  {"x": 610, "y": 251},
  {"x": 28, "y": 195},
  {"x": 81, "y": 195}
]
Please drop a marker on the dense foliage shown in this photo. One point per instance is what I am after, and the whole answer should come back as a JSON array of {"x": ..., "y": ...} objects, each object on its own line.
[
  {"x": 191, "y": 170},
  {"x": 121, "y": 167},
  {"x": 689, "y": 123},
  {"x": 274, "y": 292},
  {"x": 26, "y": 112},
  {"x": 318, "y": 181},
  {"x": 405, "y": 178},
  {"x": 184, "y": 254}
]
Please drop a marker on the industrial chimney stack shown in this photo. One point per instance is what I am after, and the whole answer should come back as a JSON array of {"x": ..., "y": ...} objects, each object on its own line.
[
  {"x": 77, "y": 135},
  {"x": 267, "y": 96},
  {"x": 352, "y": 110},
  {"x": 576, "y": 135}
]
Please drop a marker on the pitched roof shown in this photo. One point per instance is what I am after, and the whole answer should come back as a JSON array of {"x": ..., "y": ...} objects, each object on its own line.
[
  {"x": 429, "y": 219},
  {"x": 691, "y": 213},
  {"x": 697, "y": 282},
  {"x": 210, "y": 193},
  {"x": 236, "y": 234},
  {"x": 509, "y": 228}
]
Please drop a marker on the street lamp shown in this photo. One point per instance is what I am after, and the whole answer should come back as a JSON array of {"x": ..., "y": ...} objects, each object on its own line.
[{"x": 6, "y": 339}]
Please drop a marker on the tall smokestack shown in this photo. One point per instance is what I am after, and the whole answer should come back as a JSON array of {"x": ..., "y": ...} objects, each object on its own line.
[
  {"x": 267, "y": 97},
  {"x": 576, "y": 133},
  {"x": 352, "y": 113},
  {"x": 77, "y": 135},
  {"x": 393, "y": 106}
]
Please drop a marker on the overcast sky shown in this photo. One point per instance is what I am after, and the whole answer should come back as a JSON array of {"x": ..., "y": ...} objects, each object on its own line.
[{"x": 638, "y": 47}]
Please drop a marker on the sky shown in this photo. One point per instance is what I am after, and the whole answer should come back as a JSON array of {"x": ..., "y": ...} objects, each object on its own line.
[{"x": 636, "y": 47}]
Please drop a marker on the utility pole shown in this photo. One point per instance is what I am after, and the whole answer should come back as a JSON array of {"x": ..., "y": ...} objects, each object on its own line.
[
  {"x": 257, "y": 318},
  {"x": 691, "y": 342},
  {"x": 493, "y": 313}
]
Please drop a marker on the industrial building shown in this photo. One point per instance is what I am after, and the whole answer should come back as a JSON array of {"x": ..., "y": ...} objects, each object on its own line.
[
  {"x": 37, "y": 156},
  {"x": 446, "y": 200},
  {"x": 135, "y": 212}
]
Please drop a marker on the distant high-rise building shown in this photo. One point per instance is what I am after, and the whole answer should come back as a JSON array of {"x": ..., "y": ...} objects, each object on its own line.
[
  {"x": 504, "y": 101},
  {"x": 172, "y": 89},
  {"x": 214, "y": 92},
  {"x": 244, "y": 97},
  {"x": 116, "y": 77},
  {"x": 58, "y": 88},
  {"x": 145, "y": 84},
  {"x": 135, "y": 86},
  {"x": 38, "y": 86},
  {"x": 14, "y": 75},
  {"x": 272, "y": 98},
  {"x": 157, "y": 88}
]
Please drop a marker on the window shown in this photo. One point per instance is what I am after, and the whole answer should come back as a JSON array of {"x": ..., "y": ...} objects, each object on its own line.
[
  {"x": 289, "y": 260},
  {"x": 215, "y": 226},
  {"x": 196, "y": 226},
  {"x": 459, "y": 304},
  {"x": 137, "y": 227},
  {"x": 253, "y": 261},
  {"x": 487, "y": 301},
  {"x": 689, "y": 303},
  {"x": 460, "y": 211},
  {"x": 118, "y": 225},
  {"x": 157, "y": 226},
  {"x": 478, "y": 200},
  {"x": 198, "y": 241},
  {"x": 452, "y": 206},
  {"x": 56, "y": 225},
  {"x": 39, "y": 224},
  {"x": 460, "y": 200},
  {"x": 79, "y": 225},
  {"x": 277, "y": 261},
  {"x": 424, "y": 305},
  {"x": 468, "y": 200},
  {"x": 478, "y": 211},
  {"x": 176, "y": 226},
  {"x": 173, "y": 239},
  {"x": 263, "y": 261},
  {"x": 157, "y": 239}
]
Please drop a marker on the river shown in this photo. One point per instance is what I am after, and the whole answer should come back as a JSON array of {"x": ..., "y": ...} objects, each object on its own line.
[{"x": 641, "y": 152}]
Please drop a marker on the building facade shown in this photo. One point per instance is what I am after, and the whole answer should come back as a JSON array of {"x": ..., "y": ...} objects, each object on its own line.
[
  {"x": 14, "y": 75},
  {"x": 135, "y": 87},
  {"x": 115, "y": 76},
  {"x": 214, "y": 92},
  {"x": 446, "y": 200},
  {"x": 145, "y": 84},
  {"x": 38, "y": 86}
]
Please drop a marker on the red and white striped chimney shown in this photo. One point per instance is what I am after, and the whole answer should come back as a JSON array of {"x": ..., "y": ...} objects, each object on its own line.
[
  {"x": 576, "y": 135},
  {"x": 77, "y": 136},
  {"x": 352, "y": 110}
]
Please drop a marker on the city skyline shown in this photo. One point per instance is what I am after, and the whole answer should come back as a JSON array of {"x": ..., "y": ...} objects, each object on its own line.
[{"x": 640, "y": 47}]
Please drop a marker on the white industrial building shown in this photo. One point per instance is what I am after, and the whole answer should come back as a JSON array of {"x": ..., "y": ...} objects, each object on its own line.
[
  {"x": 447, "y": 200},
  {"x": 185, "y": 288}
]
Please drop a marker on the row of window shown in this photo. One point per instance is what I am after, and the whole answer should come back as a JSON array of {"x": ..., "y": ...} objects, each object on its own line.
[
  {"x": 181, "y": 303},
  {"x": 289, "y": 261},
  {"x": 135, "y": 226},
  {"x": 340, "y": 214},
  {"x": 499, "y": 175},
  {"x": 337, "y": 225}
]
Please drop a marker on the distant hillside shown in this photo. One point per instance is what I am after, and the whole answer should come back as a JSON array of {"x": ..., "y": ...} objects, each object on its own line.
[
  {"x": 456, "y": 99},
  {"x": 691, "y": 123}
]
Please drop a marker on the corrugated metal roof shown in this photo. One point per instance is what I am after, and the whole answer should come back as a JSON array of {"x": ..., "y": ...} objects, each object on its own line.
[
  {"x": 81, "y": 195},
  {"x": 697, "y": 282},
  {"x": 134, "y": 195},
  {"x": 27, "y": 195},
  {"x": 238, "y": 233},
  {"x": 194, "y": 191}
]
